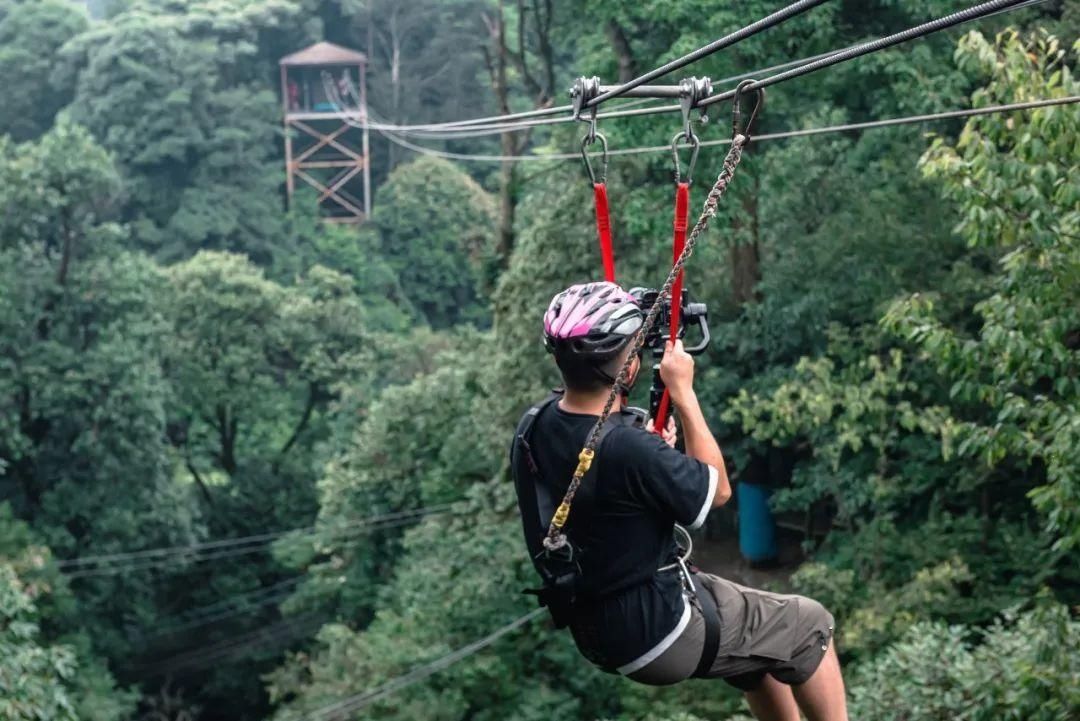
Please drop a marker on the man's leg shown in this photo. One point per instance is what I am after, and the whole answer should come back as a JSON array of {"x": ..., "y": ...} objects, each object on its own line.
[
  {"x": 772, "y": 701},
  {"x": 822, "y": 698}
]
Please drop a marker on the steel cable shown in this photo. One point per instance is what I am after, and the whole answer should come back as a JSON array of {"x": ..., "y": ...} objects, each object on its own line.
[
  {"x": 844, "y": 127},
  {"x": 354, "y": 703}
]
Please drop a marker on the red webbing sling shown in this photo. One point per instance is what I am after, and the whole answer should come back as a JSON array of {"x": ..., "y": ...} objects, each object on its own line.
[
  {"x": 603, "y": 230},
  {"x": 678, "y": 242}
]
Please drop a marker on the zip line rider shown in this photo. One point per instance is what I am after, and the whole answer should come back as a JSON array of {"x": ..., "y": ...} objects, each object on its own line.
[{"x": 631, "y": 603}]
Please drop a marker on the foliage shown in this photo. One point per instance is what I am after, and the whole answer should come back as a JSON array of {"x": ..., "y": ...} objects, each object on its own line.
[
  {"x": 894, "y": 430},
  {"x": 1022, "y": 667},
  {"x": 83, "y": 388},
  {"x": 435, "y": 229},
  {"x": 46, "y": 672},
  {"x": 182, "y": 359},
  {"x": 1014, "y": 394},
  {"x": 32, "y": 677},
  {"x": 177, "y": 91},
  {"x": 31, "y": 33}
]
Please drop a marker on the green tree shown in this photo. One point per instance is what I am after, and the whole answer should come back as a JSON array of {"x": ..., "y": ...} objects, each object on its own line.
[
  {"x": 33, "y": 678},
  {"x": 1015, "y": 400},
  {"x": 178, "y": 92},
  {"x": 939, "y": 427},
  {"x": 1022, "y": 667},
  {"x": 31, "y": 34},
  {"x": 47, "y": 666},
  {"x": 436, "y": 228},
  {"x": 82, "y": 437}
]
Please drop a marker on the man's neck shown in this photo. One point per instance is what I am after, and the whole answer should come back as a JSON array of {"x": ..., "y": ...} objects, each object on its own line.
[{"x": 588, "y": 403}]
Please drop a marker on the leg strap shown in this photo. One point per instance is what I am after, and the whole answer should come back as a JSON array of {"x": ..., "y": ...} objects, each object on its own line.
[{"x": 711, "y": 615}]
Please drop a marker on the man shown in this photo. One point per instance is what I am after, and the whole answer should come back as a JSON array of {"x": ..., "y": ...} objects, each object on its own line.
[{"x": 632, "y": 606}]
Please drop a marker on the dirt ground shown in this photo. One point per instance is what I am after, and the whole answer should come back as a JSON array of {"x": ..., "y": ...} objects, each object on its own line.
[{"x": 720, "y": 555}]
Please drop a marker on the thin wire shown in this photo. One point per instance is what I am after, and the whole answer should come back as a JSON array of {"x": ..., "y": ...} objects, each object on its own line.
[
  {"x": 806, "y": 61},
  {"x": 676, "y": 108},
  {"x": 226, "y": 608},
  {"x": 358, "y": 701},
  {"x": 184, "y": 562},
  {"x": 226, "y": 542},
  {"x": 442, "y": 132},
  {"x": 286, "y": 629},
  {"x": 338, "y": 535},
  {"x": 233, "y": 553},
  {"x": 975, "y": 12},
  {"x": 868, "y": 125},
  {"x": 728, "y": 40}
]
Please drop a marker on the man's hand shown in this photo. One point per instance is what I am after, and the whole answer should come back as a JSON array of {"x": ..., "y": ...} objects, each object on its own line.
[
  {"x": 677, "y": 371},
  {"x": 670, "y": 435}
]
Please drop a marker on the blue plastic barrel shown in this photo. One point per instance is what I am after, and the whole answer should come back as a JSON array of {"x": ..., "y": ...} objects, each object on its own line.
[{"x": 757, "y": 529}]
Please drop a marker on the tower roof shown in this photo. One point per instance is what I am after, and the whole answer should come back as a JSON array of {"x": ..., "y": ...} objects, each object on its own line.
[{"x": 324, "y": 53}]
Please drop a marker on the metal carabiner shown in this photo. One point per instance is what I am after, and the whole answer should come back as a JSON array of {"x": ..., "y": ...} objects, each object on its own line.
[
  {"x": 736, "y": 110},
  {"x": 588, "y": 140},
  {"x": 695, "y": 145}
]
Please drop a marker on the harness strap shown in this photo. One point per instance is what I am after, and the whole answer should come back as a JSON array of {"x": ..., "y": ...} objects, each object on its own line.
[
  {"x": 603, "y": 230},
  {"x": 678, "y": 242},
  {"x": 711, "y": 615}
]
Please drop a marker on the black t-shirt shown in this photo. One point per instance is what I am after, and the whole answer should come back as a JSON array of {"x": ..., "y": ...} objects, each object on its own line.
[{"x": 642, "y": 488}]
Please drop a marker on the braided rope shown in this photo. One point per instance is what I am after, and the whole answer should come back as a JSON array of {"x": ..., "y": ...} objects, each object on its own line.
[{"x": 555, "y": 538}]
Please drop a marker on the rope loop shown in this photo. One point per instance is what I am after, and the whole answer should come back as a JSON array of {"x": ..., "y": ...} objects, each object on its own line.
[
  {"x": 695, "y": 145},
  {"x": 588, "y": 140},
  {"x": 736, "y": 109}
]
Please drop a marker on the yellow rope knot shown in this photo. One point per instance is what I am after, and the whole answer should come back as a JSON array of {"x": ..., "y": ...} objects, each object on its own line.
[
  {"x": 584, "y": 461},
  {"x": 561, "y": 514}
]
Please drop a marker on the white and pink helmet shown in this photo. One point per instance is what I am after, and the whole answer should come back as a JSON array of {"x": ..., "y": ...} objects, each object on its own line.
[{"x": 591, "y": 321}]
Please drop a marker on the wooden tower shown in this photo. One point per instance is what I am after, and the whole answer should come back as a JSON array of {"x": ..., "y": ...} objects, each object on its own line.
[{"x": 324, "y": 101}]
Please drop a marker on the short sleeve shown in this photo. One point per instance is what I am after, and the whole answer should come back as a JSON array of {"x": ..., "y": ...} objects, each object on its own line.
[{"x": 665, "y": 480}]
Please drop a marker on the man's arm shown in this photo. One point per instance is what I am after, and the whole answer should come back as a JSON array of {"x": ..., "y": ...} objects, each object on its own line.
[{"x": 677, "y": 372}]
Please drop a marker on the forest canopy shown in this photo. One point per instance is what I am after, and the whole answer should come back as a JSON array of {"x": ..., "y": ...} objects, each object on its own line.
[{"x": 254, "y": 464}]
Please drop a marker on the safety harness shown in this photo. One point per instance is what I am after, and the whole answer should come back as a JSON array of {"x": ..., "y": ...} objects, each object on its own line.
[
  {"x": 557, "y": 557},
  {"x": 562, "y": 590},
  {"x": 561, "y": 570}
]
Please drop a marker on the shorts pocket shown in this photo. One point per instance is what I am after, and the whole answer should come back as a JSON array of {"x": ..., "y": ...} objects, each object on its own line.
[{"x": 771, "y": 626}]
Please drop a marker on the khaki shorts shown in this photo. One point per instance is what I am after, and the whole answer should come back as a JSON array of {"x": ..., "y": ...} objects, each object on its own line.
[{"x": 760, "y": 633}]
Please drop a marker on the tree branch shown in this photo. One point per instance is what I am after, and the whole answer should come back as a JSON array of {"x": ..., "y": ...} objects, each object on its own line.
[
  {"x": 620, "y": 44},
  {"x": 309, "y": 407},
  {"x": 198, "y": 480},
  {"x": 226, "y": 428}
]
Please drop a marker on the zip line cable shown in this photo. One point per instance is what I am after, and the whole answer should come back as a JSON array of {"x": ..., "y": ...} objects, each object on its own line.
[
  {"x": 496, "y": 125},
  {"x": 806, "y": 61},
  {"x": 438, "y": 131},
  {"x": 846, "y": 127},
  {"x": 763, "y": 24},
  {"x": 750, "y": 30},
  {"x": 943, "y": 23},
  {"x": 360, "y": 700},
  {"x": 229, "y": 548}
]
